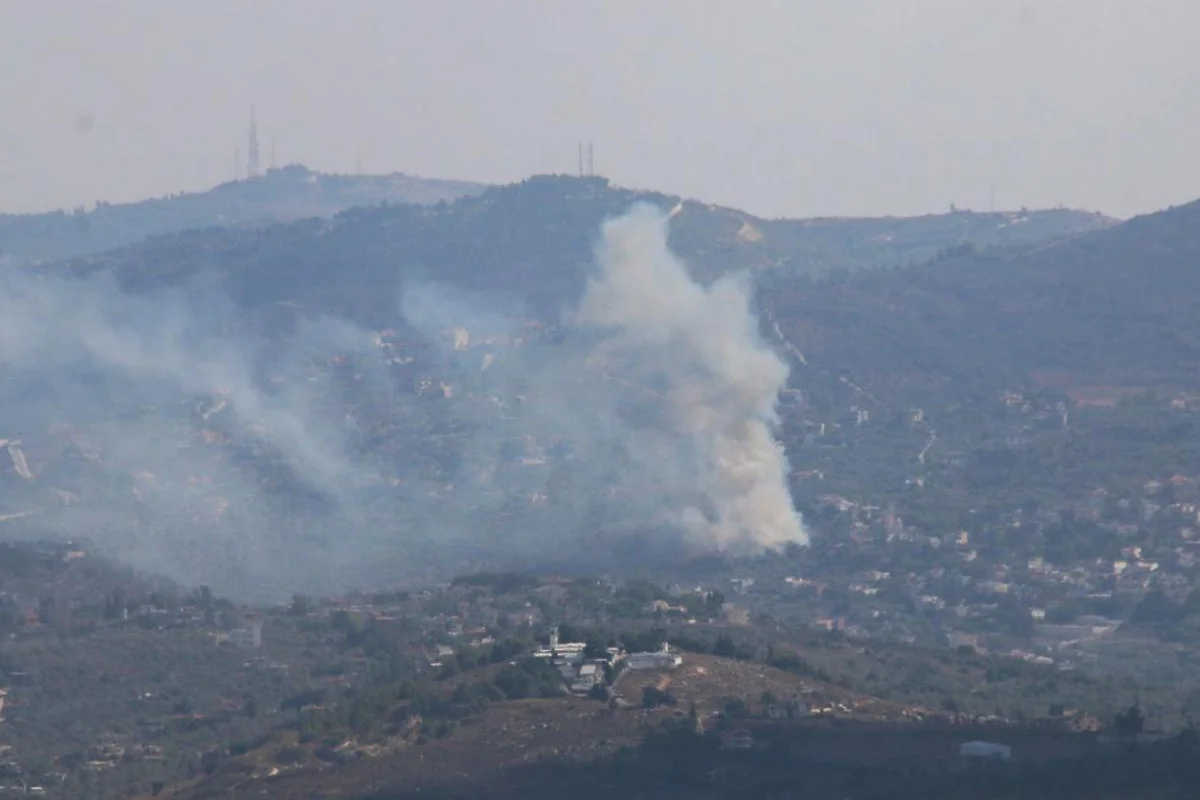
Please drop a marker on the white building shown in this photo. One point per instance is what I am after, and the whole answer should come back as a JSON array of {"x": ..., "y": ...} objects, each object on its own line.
[
  {"x": 251, "y": 635},
  {"x": 663, "y": 659},
  {"x": 561, "y": 652}
]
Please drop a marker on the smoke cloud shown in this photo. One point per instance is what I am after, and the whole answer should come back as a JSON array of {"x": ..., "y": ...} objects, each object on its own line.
[
  {"x": 271, "y": 450},
  {"x": 719, "y": 382}
]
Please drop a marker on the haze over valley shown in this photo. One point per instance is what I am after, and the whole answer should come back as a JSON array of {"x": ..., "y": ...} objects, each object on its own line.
[
  {"x": 563, "y": 376},
  {"x": 398, "y": 392},
  {"x": 598, "y": 399}
]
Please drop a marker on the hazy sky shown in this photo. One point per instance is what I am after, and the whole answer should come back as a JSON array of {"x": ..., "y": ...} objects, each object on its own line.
[{"x": 782, "y": 108}]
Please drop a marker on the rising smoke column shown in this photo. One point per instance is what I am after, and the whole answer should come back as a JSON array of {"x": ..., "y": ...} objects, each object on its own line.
[{"x": 719, "y": 383}]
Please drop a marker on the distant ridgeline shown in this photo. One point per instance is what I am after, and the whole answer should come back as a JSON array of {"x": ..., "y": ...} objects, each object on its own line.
[
  {"x": 532, "y": 239},
  {"x": 280, "y": 195},
  {"x": 1092, "y": 317}
]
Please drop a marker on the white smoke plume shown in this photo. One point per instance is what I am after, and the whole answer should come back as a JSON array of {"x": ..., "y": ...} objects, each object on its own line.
[
  {"x": 268, "y": 449},
  {"x": 718, "y": 380}
]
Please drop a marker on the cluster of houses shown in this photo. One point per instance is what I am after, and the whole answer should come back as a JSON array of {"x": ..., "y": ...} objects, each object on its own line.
[
  {"x": 957, "y": 580},
  {"x": 582, "y": 673}
]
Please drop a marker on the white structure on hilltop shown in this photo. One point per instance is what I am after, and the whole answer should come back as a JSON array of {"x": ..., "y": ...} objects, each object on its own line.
[
  {"x": 561, "y": 652},
  {"x": 663, "y": 659}
]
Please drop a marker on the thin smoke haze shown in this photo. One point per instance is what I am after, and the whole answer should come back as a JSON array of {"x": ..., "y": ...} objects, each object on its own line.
[{"x": 266, "y": 454}]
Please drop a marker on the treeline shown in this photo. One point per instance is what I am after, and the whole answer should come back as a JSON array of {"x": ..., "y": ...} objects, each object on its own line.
[{"x": 401, "y": 700}]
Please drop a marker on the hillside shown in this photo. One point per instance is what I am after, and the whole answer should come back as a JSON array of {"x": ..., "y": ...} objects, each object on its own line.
[
  {"x": 825, "y": 762},
  {"x": 483, "y": 749},
  {"x": 265, "y": 385},
  {"x": 396, "y": 395},
  {"x": 844, "y": 742},
  {"x": 294, "y": 193},
  {"x": 502, "y": 747},
  {"x": 280, "y": 195},
  {"x": 534, "y": 240},
  {"x": 1095, "y": 317},
  {"x": 140, "y": 691}
]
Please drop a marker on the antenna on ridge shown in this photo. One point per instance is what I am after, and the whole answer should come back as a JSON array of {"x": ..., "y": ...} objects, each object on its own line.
[
  {"x": 591, "y": 164},
  {"x": 252, "y": 150}
]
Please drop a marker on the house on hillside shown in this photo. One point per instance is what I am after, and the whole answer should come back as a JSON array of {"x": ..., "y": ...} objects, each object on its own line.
[{"x": 249, "y": 636}]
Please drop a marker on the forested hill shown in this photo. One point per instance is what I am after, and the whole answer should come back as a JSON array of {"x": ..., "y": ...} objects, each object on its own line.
[
  {"x": 534, "y": 239},
  {"x": 1097, "y": 316},
  {"x": 280, "y": 195}
]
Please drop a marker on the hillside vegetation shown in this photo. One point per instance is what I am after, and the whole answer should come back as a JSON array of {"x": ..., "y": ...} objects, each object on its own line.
[
  {"x": 534, "y": 240},
  {"x": 1095, "y": 317},
  {"x": 280, "y": 195},
  {"x": 988, "y": 308}
]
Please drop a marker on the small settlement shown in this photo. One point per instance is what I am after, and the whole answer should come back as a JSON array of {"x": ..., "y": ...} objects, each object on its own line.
[{"x": 582, "y": 673}]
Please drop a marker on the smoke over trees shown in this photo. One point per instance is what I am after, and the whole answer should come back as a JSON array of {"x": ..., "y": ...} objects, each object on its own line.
[{"x": 285, "y": 449}]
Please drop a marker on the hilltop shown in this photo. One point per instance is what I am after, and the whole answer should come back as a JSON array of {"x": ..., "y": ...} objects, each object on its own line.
[
  {"x": 534, "y": 240},
  {"x": 484, "y": 748},
  {"x": 280, "y": 195},
  {"x": 295, "y": 193},
  {"x": 1097, "y": 317}
]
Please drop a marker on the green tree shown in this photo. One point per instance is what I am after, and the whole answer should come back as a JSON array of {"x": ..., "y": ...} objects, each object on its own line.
[
  {"x": 737, "y": 709},
  {"x": 1191, "y": 606},
  {"x": 1190, "y": 708},
  {"x": 725, "y": 647},
  {"x": 714, "y": 603},
  {"x": 1130, "y": 723}
]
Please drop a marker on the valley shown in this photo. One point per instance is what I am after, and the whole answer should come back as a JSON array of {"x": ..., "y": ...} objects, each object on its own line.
[{"x": 385, "y": 441}]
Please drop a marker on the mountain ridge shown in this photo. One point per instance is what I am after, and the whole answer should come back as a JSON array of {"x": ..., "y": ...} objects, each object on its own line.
[
  {"x": 279, "y": 195},
  {"x": 549, "y": 224},
  {"x": 1109, "y": 307},
  {"x": 343, "y": 398}
]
